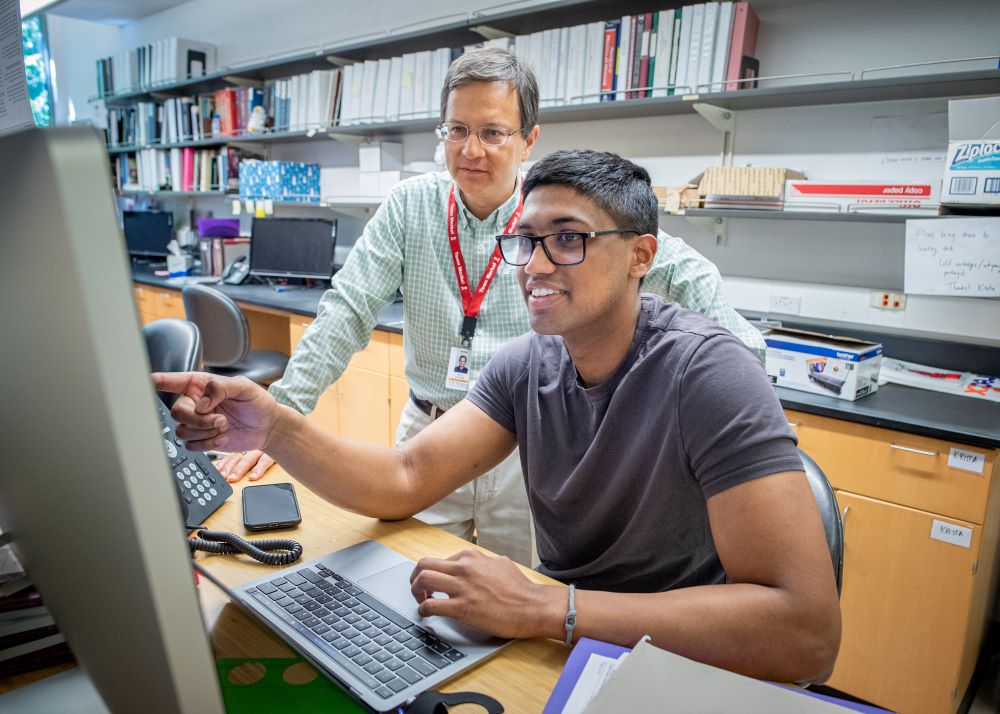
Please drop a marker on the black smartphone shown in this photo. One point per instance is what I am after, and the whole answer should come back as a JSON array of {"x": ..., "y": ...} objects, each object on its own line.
[{"x": 270, "y": 506}]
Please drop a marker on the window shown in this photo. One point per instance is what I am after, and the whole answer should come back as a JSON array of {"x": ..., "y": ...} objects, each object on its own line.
[{"x": 36, "y": 66}]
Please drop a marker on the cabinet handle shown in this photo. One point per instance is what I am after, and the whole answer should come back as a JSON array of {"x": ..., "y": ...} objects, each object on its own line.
[
  {"x": 795, "y": 424},
  {"x": 911, "y": 450},
  {"x": 843, "y": 516}
]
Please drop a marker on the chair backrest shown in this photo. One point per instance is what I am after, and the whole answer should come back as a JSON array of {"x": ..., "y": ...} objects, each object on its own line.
[
  {"x": 829, "y": 511},
  {"x": 173, "y": 346},
  {"x": 224, "y": 330}
]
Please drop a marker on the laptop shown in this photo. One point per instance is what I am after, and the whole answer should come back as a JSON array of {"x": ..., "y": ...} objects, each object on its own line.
[{"x": 351, "y": 614}]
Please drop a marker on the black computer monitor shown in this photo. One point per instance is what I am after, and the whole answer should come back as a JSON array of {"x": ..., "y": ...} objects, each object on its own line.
[
  {"x": 293, "y": 247},
  {"x": 147, "y": 232},
  {"x": 85, "y": 490}
]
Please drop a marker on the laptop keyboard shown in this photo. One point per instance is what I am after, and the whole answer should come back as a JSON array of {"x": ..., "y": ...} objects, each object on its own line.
[{"x": 383, "y": 649}]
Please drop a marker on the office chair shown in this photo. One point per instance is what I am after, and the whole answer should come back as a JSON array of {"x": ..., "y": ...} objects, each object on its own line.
[
  {"x": 173, "y": 346},
  {"x": 829, "y": 511},
  {"x": 226, "y": 337}
]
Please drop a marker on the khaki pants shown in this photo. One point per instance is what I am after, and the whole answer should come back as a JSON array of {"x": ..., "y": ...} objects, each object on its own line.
[{"x": 493, "y": 507}]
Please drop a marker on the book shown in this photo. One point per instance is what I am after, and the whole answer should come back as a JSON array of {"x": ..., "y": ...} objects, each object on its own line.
[
  {"x": 694, "y": 49},
  {"x": 594, "y": 63},
  {"x": 723, "y": 37},
  {"x": 709, "y": 29},
  {"x": 674, "y": 52},
  {"x": 684, "y": 50},
  {"x": 743, "y": 43},
  {"x": 622, "y": 63},
  {"x": 645, "y": 55},
  {"x": 608, "y": 76},
  {"x": 654, "y": 36},
  {"x": 635, "y": 55},
  {"x": 660, "y": 68}
]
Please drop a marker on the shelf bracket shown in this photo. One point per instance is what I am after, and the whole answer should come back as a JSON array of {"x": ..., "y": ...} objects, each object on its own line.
[
  {"x": 243, "y": 81},
  {"x": 716, "y": 225},
  {"x": 339, "y": 61},
  {"x": 490, "y": 33},
  {"x": 352, "y": 139},
  {"x": 725, "y": 121}
]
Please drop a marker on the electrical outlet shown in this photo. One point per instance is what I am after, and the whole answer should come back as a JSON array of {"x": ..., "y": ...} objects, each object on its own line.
[
  {"x": 885, "y": 300},
  {"x": 786, "y": 304}
]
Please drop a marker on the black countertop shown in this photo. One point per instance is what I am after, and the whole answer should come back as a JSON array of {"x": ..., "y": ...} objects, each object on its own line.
[{"x": 944, "y": 416}]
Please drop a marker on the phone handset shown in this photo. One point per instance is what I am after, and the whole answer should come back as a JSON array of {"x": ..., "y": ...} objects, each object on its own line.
[{"x": 237, "y": 271}]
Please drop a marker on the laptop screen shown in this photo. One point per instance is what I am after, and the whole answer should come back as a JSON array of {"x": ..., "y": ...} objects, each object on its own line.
[{"x": 147, "y": 232}]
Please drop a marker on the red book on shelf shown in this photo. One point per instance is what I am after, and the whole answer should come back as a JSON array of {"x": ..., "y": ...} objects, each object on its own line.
[
  {"x": 743, "y": 44},
  {"x": 187, "y": 169},
  {"x": 611, "y": 30},
  {"x": 647, "y": 38}
]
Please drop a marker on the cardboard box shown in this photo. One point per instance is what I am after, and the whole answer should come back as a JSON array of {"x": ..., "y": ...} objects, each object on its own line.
[
  {"x": 906, "y": 197},
  {"x": 841, "y": 367},
  {"x": 972, "y": 166},
  {"x": 745, "y": 187},
  {"x": 380, "y": 156}
]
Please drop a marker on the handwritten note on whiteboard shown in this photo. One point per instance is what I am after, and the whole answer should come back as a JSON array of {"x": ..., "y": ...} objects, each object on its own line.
[{"x": 953, "y": 256}]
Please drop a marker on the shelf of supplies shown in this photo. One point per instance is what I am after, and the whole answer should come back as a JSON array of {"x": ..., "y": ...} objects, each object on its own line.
[
  {"x": 175, "y": 194},
  {"x": 853, "y": 217}
]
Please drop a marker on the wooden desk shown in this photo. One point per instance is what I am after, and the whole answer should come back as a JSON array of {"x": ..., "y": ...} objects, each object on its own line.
[{"x": 521, "y": 676}]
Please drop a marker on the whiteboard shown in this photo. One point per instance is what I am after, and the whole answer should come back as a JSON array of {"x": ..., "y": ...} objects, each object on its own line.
[{"x": 953, "y": 256}]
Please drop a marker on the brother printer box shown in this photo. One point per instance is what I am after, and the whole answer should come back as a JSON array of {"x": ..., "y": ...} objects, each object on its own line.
[
  {"x": 841, "y": 367},
  {"x": 972, "y": 166}
]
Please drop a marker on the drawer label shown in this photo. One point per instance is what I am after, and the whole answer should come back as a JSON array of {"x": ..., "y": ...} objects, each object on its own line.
[
  {"x": 971, "y": 461},
  {"x": 950, "y": 533}
]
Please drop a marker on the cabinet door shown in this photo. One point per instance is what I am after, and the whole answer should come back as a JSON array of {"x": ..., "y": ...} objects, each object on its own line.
[
  {"x": 169, "y": 304},
  {"x": 399, "y": 394},
  {"x": 145, "y": 304},
  {"x": 905, "y": 604},
  {"x": 297, "y": 327},
  {"x": 363, "y": 406},
  {"x": 325, "y": 414}
]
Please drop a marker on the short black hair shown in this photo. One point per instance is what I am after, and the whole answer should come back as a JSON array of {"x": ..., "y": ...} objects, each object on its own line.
[{"x": 617, "y": 186}]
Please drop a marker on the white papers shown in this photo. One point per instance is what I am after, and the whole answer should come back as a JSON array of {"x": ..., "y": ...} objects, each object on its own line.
[
  {"x": 595, "y": 674},
  {"x": 953, "y": 256},
  {"x": 938, "y": 379},
  {"x": 15, "y": 107}
]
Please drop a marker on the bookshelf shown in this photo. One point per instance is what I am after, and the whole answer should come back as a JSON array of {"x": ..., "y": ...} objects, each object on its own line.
[{"x": 845, "y": 217}]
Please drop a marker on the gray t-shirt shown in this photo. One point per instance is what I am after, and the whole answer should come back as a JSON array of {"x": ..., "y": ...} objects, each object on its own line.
[{"x": 618, "y": 474}]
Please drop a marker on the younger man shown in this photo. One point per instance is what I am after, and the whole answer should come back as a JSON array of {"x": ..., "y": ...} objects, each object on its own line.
[{"x": 662, "y": 476}]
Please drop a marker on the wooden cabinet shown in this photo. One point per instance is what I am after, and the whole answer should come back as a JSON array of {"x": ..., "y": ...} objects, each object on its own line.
[
  {"x": 157, "y": 303},
  {"x": 367, "y": 400},
  {"x": 914, "y": 606}
]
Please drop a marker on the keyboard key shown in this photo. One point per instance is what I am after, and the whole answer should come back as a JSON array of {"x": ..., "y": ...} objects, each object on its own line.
[
  {"x": 284, "y": 602},
  {"x": 362, "y": 659},
  {"x": 302, "y": 599},
  {"x": 393, "y": 647},
  {"x": 295, "y": 578},
  {"x": 276, "y": 594},
  {"x": 374, "y": 668},
  {"x": 401, "y": 637},
  {"x": 351, "y": 603},
  {"x": 385, "y": 610},
  {"x": 413, "y": 644},
  {"x": 352, "y": 651},
  {"x": 302, "y": 615},
  {"x": 414, "y": 631},
  {"x": 330, "y": 636},
  {"x": 361, "y": 640},
  {"x": 384, "y": 676},
  {"x": 321, "y": 612},
  {"x": 323, "y": 598},
  {"x": 394, "y": 664},
  {"x": 391, "y": 630},
  {"x": 331, "y": 619},
  {"x": 380, "y": 623},
  {"x": 425, "y": 668},
  {"x": 321, "y": 628},
  {"x": 439, "y": 647},
  {"x": 352, "y": 618},
  {"x": 351, "y": 590},
  {"x": 310, "y": 605},
  {"x": 365, "y": 626},
  {"x": 409, "y": 675},
  {"x": 341, "y": 611},
  {"x": 454, "y": 655},
  {"x": 341, "y": 597},
  {"x": 397, "y": 685},
  {"x": 405, "y": 656},
  {"x": 311, "y": 622},
  {"x": 371, "y": 648},
  {"x": 285, "y": 585},
  {"x": 341, "y": 626},
  {"x": 267, "y": 588},
  {"x": 311, "y": 575},
  {"x": 362, "y": 610},
  {"x": 384, "y": 692},
  {"x": 382, "y": 656},
  {"x": 350, "y": 633},
  {"x": 383, "y": 639},
  {"x": 433, "y": 657},
  {"x": 342, "y": 644},
  {"x": 371, "y": 615}
]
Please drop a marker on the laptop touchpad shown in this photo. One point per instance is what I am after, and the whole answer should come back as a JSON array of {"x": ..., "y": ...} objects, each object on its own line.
[{"x": 392, "y": 587}]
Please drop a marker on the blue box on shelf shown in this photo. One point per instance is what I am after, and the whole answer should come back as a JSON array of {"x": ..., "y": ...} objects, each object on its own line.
[{"x": 286, "y": 181}]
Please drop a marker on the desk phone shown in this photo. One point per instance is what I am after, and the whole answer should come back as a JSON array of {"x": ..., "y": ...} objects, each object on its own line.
[{"x": 200, "y": 487}]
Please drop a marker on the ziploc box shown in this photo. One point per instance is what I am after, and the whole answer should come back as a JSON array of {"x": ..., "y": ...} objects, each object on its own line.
[
  {"x": 972, "y": 167},
  {"x": 841, "y": 367}
]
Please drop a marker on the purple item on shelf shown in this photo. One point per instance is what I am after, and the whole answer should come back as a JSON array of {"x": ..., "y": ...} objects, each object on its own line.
[{"x": 218, "y": 227}]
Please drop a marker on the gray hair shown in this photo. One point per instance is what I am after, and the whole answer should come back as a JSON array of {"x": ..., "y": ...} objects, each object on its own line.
[{"x": 491, "y": 64}]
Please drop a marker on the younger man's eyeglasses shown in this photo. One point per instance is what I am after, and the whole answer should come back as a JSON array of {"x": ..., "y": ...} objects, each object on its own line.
[{"x": 568, "y": 248}]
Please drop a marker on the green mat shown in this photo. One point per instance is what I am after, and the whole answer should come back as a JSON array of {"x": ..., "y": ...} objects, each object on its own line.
[{"x": 271, "y": 693}]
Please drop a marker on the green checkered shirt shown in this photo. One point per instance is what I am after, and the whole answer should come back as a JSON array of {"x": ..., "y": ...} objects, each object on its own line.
[{"x": 405, "y": 246}]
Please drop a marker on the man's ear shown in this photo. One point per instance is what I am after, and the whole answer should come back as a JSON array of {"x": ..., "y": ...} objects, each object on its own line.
[
  {"x": 529, "y": 143},
  {"x": 643, "y": 251}
]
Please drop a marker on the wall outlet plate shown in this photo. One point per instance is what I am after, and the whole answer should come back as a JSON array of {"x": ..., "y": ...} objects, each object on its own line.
[
  {"x": 885, "y": 300},
  {"x": 785, "y": 304}
]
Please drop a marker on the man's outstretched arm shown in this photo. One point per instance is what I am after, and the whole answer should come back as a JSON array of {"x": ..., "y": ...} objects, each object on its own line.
[
  {"x": 777, "y": 618},
  {"x": 233, "y": 413}
]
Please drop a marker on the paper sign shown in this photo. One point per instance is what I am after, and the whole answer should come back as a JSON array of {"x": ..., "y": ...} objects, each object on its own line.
[
  {"x": 15, "y": 107},
  {"x": 950, "y": 533},
  {"x": 953, "y": 256},
  {"x": 971, "y": 461}
]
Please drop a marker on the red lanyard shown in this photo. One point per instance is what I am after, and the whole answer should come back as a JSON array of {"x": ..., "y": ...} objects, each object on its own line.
[{"x": 472, "y": 301}]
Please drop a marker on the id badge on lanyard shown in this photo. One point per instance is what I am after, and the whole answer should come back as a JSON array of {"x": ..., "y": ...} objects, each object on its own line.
[{"x": 458, "y": 360}]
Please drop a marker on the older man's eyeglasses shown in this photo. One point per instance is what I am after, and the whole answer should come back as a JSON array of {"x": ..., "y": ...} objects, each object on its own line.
[
  {"x": 488, "y": 135},
  {"x": 567, "y": 248}
]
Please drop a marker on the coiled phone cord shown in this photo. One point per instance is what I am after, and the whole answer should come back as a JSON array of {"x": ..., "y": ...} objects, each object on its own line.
[{"x": 229, "y": 543}]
